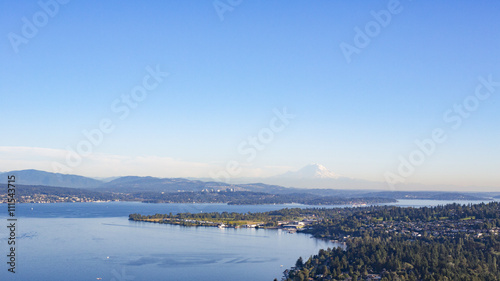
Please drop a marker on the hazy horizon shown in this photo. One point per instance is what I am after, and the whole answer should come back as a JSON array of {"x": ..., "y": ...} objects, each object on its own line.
[{"x": 339, "y": 183}]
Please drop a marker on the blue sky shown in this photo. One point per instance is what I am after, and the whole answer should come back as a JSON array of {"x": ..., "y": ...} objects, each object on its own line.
[{"x": 229, "y": 72}]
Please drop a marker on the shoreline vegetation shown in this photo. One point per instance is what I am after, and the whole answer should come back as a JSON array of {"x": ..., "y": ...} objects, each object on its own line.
[
  {"x": 231, "y": 196},
  {"x": 290, "y": 219},
  {"x": 47, "y": 194},
  {"x": 450, "y": 242}
]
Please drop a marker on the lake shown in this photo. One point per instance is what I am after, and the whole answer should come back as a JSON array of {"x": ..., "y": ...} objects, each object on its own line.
[{"x": 86, "y": 241}]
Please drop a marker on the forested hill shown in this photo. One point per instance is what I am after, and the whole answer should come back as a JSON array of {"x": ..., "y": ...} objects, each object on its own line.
[
  {"x": 452, "y": 242},
  {"x": 51, "y": 194}
]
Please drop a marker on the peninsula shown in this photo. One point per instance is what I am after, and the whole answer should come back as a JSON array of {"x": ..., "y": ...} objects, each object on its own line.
[{"x": 451, "y": 242}]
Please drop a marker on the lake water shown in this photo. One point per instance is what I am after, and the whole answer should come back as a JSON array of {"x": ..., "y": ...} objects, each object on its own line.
[{"x": 86, "y": 241}]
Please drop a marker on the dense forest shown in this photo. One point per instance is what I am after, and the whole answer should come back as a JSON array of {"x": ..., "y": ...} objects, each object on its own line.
[
  {"x": 253, "y": 198},
  {"x": 397, "y": 258},
  {"x": 264, "y": 219},
  {"x": 452, "y": 242},
  {"x": 45, "y": 194}
]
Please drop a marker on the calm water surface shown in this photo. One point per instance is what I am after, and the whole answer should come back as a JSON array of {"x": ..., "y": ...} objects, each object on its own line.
[{"x": 86, "y": 241}]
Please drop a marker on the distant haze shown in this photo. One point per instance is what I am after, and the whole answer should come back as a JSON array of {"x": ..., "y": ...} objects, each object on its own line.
[{"x": 312, "y": 176}]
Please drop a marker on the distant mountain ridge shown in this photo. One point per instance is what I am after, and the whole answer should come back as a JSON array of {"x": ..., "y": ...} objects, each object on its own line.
[
  {"x": 319, "y": 175},
  {"x": 141, "y": 184},
  {"x": 36, "y": 177},
  {"x": 131, "y": 184}
]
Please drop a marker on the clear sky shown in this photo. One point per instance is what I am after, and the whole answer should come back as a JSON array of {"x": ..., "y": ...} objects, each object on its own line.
[{"x": 363, "y": 80}]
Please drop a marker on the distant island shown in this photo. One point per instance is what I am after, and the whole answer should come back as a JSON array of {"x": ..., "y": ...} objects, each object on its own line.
[
  {"x": 290, "y": 219},
  {"x": 452, "y": 242},
  {"x": 49, "y": 194}
]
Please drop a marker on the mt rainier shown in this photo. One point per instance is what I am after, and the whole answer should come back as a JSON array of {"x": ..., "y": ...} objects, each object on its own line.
[{"x": 312, "y": 171}]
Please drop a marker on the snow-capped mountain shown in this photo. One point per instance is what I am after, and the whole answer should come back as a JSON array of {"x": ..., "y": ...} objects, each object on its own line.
[{"x": 312, "y": 171}]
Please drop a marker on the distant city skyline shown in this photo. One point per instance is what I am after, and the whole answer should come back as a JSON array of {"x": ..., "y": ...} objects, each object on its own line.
[{"x": 387, "y": 91}]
